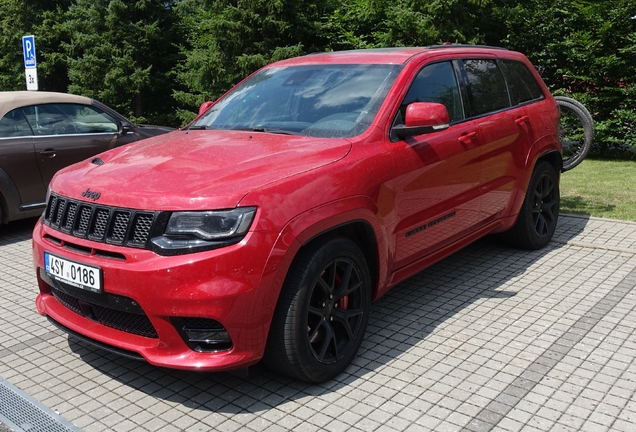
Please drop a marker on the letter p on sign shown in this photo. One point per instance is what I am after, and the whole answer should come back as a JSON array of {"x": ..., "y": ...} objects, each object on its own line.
[{"x": 30, "y": 71}]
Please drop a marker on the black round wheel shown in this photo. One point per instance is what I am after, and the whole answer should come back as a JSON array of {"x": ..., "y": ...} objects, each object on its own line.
[
  {"x": 576, "y": 131},
  {"x": 322, "y": 312},
  {"x": 539, "y": 212}
]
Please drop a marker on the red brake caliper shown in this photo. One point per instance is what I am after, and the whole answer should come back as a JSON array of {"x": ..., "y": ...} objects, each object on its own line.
[{"x": 343, "y": 303}]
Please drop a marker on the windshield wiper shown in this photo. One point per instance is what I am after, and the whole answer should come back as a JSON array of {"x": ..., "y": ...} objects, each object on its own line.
[
  {"x": 274, "y": 131},
  {"x": 248, "y": 129}
]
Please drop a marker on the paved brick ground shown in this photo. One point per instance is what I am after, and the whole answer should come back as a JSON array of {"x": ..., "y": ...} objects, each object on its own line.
[{"x": 489, "y": 339}]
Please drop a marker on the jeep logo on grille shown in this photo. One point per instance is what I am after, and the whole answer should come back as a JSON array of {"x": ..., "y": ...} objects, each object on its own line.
[{"x": 88, "y": 193}]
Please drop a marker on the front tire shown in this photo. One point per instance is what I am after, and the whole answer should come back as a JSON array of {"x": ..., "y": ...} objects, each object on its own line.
[
  {"x": 539, "y": 213},
  {"x": 322, "y": 312}
]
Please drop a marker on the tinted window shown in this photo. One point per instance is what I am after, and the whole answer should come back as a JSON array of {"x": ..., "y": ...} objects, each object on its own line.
[
  {"x": 521, "y": 83},
  {"x": 436, "y": 83},
  {"x": 13, "y": 124},
  {"x": 65, "y": 119},
  {"x": 486, "y": 86}
]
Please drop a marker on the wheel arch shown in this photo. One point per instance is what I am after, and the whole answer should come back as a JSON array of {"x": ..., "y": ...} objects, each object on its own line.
[
  {"x": 361, "y": 233},
  {"x": 303, "y": 342},
  {"x": 537, "y": 219},
  {"x": 4, "y": 218},
  {"x": 553, "y": 157},
  {"x": 9, "y": 198},
  {"x": 354, "y": 218}
]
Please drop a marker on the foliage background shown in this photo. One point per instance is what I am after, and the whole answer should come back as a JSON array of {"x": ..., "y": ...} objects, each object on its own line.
[{"x": 157, "y": 60}]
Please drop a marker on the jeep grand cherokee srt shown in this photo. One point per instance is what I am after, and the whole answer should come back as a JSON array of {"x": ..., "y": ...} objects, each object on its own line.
[{"x": 265, "y": 228}]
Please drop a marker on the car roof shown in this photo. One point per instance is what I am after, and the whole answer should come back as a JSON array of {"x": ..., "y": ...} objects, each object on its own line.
[
  {"x": 14, "y": 99},
  {"x": 397, "y": 55}
]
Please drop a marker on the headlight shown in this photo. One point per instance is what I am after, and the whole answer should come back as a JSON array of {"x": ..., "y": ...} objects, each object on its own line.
[
  {"x": 196, "y": 231},
  {"x": 211, "y": 225}
]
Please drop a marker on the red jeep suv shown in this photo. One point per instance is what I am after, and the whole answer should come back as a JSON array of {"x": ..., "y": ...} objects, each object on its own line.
[{"x": 265, "y": 228}]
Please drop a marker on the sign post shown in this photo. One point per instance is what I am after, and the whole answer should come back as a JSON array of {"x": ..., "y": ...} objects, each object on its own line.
[{"x": 30, "y": 70}]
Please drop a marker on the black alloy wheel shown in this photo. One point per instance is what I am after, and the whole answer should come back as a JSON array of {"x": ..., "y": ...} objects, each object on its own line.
[
  {"x": 335, "y": 311},
  {"x": 545, "y": 208},
  {"x": 322, "y": 312},
  {"x": 539, "y": 212}
]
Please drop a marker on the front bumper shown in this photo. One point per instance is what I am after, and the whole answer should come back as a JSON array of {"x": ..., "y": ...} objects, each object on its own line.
[{"x": 146, "y": 298}]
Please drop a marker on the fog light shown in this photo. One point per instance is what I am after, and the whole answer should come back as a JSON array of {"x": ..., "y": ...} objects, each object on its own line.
[
  {"x": 206, "y": 336},
  {"x": 203, "y": 334}
]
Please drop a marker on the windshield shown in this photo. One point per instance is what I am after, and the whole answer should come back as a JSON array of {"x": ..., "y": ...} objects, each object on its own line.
[{"x": 317, "y": 100}]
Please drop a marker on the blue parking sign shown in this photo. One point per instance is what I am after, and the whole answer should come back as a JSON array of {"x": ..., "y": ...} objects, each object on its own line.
[{"x": 28, "y": 48}]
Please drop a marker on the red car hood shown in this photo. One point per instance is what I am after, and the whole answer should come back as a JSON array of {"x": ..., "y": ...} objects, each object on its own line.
[{"x": 195, "y": 170}]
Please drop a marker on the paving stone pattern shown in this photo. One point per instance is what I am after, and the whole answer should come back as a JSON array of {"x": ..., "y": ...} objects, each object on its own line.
[{"x": 491, "y": 338}]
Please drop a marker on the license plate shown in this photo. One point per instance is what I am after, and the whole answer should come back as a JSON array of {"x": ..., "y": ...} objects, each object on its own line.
[{"x": 78, "y": 275}]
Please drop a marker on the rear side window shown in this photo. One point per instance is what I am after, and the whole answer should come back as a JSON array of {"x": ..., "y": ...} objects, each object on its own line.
[
  {"x": 522, "y": 85},
  {"x": 13, "y": 124},
  {"x": 486, "y": 86},
  {"x": 436, "y": 83}
]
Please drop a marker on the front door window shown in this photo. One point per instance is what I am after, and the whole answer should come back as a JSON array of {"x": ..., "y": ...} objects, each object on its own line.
[{"x": 69, "y": 119}]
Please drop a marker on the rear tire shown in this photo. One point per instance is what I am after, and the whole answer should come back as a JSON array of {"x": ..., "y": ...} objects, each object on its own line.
[
  {"x": 322, "y": 312},
  {"x": 539, "y": 212}
]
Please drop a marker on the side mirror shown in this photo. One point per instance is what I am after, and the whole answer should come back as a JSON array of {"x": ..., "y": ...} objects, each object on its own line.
[
  {"x": 126, "y": 127},
  {"x": 205, "y": 106},
  {"x": 422, "y": 118}
]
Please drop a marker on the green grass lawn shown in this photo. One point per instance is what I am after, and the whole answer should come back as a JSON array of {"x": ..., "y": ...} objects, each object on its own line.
[{"x": 600, "y": 188}]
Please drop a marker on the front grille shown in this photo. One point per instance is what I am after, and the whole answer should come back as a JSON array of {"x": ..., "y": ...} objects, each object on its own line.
[
  {"x": 142, "y": 227},
  {"x": 70, "y": 216},
  {"x": 70, "y": 302},
  {"x": 99, "y": 227},
  {"x": 120, "y": 226},
  {"x": 50, "y": 211},
  {"x": 128, "y": 322},
  {"x": 82, "y": 223},
  {"x": 105, "y": 224}
]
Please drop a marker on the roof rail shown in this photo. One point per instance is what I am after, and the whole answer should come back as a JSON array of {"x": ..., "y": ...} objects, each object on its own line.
[{"x": 452, "y": 45}]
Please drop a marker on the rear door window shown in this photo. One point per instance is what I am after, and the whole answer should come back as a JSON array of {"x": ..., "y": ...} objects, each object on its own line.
[
  {"x": 14, "y": 124},
  {"x": 487, "y": 90},
  {"x": 522, "y": 84}
]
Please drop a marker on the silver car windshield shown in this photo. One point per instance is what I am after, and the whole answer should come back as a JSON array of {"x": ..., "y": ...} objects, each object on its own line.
[{"x": 317, "y": 100}]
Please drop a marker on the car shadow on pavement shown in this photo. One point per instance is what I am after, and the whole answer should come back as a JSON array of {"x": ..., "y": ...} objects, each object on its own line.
[
  {"x": 16, "y": 231},
  {"x": 464, "y": 287}
]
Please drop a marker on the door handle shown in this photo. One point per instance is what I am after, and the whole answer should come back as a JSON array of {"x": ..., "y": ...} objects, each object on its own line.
[
  {"x": 522, "y": 122},
  {"x": 467, "y": 138},
  {"x": 49, "y": 153}
]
